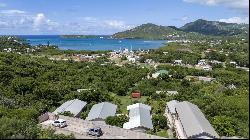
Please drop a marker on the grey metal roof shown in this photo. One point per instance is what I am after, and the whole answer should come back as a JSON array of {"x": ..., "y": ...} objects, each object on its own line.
[
  {"x": 193, "y": 120},
  {"x": 139, "y": 116},
  {"x": 206, "y": 79},
  {"x": 172, "y": 92},
  {"x": 171, "y": 106},
  {"x": 74, "y": 106},
  {"x": 102, "y": 111}
]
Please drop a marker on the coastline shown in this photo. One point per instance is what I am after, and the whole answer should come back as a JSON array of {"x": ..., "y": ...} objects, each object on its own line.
[{"x": 93, "y": 44}]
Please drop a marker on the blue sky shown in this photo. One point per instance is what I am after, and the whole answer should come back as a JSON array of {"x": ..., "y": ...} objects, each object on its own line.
[{"x": 110, "y": 16}]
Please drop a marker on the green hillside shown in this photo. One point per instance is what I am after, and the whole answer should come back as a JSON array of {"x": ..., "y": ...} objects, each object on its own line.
[
  {"x": 193, "y": 30},
  {"x": 216, "y": 28},
  {"x": 151, "y": 31}
]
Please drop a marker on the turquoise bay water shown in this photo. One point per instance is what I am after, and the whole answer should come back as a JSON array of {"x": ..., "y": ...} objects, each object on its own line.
[{"x": 98, "y": 43}]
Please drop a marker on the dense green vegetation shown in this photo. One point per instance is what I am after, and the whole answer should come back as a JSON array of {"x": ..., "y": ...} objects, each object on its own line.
[
  {"x": 41, "y": 84},
  {"x": 21, "y": 122},
  {"x": 32, "y": 84}
]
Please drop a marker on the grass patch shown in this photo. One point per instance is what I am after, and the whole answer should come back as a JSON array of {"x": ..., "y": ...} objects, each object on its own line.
[
  {"x": 162, "y": 133},
  {"x": 145, "y": 65},
  {"x": 127, "y": 100}
]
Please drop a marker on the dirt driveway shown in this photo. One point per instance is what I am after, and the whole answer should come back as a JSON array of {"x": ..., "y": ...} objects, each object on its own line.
[{"x": 80, "y": 127}]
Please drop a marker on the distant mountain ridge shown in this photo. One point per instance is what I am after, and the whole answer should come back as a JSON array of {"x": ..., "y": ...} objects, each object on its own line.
[
  {"x": 195, "y": 29},
  {"x": 216, "y": 28},
  {"x": 146, "y": 31}
]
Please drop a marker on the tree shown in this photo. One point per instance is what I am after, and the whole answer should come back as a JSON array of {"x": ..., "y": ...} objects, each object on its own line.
[
  {"x": 224, "y": 125},
  {"x": 159, "y": 122},
  {"x": 185, "y": 83},
  {"x": 116, "y": 120},
  {"x": 67, "y": 113},
  {"x": 124, "y": 57},
  {"x": 84, "y": 115}
]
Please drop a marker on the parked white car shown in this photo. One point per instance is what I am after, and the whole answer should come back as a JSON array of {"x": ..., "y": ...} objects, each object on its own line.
[{"x": 59, "y": 123}]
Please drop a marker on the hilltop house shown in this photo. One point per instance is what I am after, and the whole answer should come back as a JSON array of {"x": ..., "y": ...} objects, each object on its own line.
[
  {"x": 215, "y": 62},
  {"x": 158, "y": 73},
  {"x": 206, "y": 79},
  {"x": 172, "y": 92},
  {"x": 188, "y": 121},
  {"x": 177, "y": 62},
  {"x": 231, "y": 86},
  {"x": 139, "y": 117},
  {"x": 80, "y": 90},
  {"x": 167, "y": 92},
  {"x": 73, "y": 106},
  {"x": 233, "y": 63},
  {"x": 202, "y": 62},
  {"x": 207, "y": 67},
  {"x": 101, "y": 111}
]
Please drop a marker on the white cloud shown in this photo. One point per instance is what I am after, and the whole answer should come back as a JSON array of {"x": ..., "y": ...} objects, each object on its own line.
[
  {"x": 90, "y": 19},
  {"x": 239, "y": 5},
  {"x": 22, "y": 22},
  {"x": 40, "y": 22},
  {"x": 39, "y": 19},
  {"x": 116, "y": 24},
  {"x": 3, "y": 5},
  {"x": 184, "y": 18},
  {"x": 235, "y": 20},
  {"x": 11, "y": 12},
  {"x": 3, "y": 24}
]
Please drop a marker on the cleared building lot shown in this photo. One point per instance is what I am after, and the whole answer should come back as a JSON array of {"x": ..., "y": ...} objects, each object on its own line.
[{"x": 80, "y": 127}]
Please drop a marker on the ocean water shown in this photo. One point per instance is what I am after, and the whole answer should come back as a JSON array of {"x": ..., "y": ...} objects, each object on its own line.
[{"x": 98, "y": 43}]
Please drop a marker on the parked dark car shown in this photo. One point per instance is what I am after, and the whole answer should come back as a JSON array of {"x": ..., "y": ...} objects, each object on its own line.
[{"x": 95, "y": 131}]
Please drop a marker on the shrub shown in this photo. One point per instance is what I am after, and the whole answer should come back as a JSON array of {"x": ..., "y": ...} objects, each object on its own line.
[
  {"x": 116, "y": 120},
  {"x": 67, "y": 113}
]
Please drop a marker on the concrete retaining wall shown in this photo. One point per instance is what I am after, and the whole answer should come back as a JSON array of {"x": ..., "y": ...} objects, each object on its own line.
[{"x": 47, "y": 116}]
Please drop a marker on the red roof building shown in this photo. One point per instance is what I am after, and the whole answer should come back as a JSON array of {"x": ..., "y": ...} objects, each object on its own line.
[{"x": 136, "y": 95}]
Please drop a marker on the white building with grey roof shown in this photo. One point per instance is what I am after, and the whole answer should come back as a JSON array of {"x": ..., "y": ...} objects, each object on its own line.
[
  {"x": 139, "y": 117},
  {"x": 189, "y": 122},
  {"x": 206, "y": 79},
  {"x": 170, "y": 112},
  {"x": 73, "y": 106},
  {"x": 101, "y": 111}
]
